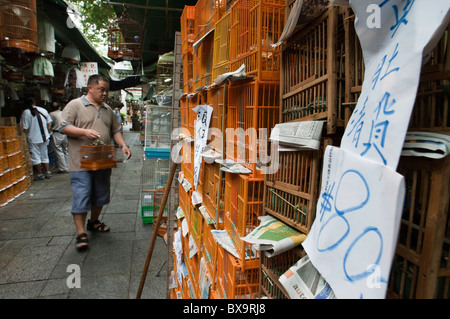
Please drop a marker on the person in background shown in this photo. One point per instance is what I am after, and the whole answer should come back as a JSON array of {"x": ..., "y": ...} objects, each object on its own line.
[
  {"x": 85, "y": 120},
  {"x": 59, "y": 141},
  {"x": 118, "y": 114},
  {"x": 36, "y": 121},
  {"x": 119, "y": 119}
]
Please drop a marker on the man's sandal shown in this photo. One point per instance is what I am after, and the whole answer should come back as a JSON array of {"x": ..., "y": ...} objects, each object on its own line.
[
  {"x": 82, "y": 241},
  {"x": 97, "y": 226}
]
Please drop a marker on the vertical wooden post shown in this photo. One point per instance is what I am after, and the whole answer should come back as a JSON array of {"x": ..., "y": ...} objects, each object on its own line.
[{"x": 155, "y": 230}]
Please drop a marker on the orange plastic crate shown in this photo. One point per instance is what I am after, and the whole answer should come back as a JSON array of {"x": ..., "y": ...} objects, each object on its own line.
[
  {"x": 184, "y": 200},
  {"x": 237, "y": 282},
  {"x": 4, "y": 164},
  {"x": 213, "y": 192},
  {"x": 221, "y": 57},
  {"x": 11, "y": 146},
  {"x": 192, "y": 116},
  {"x": 15, "y": 160},
  {"x": 207, "y": 13},
  {"x": 241, "y": 219},
  {"x": 203, "y": 62},
  {"x": 184, "y": 108},
  {"x": 209, "y": 251},
  {"x": 18, "y": 173},
  {"x": 252, "y": 106},
  {"x": 216, "y": 99},
  {"x": 255, "y": 25},
  {"x": 196, "y": 226},
  {"x": 7, "y": 133},
  {"x": 187, "y": 26},
  {"x": 188, "y": 72}
]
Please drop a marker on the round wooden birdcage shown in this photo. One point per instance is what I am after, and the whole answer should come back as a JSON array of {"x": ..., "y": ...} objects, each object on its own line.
[
  {"x": 125, "y": 39},
  {"x": 18, "y": 25}
]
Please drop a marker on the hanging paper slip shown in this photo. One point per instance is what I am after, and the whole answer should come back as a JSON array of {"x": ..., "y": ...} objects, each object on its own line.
[{"x": 204, "y": 112}]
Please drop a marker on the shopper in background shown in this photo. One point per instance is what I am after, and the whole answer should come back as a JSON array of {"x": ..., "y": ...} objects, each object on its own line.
[
  {"x": 119, "y": 118},
  {"x": 85, "y": 120},
  {"x": 118, "y": 114},
  {"x": 35, "y": 121},
  {"x": 59, "y": 141}
]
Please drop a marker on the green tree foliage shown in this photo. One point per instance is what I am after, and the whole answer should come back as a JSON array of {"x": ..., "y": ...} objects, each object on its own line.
[{"x": 95, "y": 17}]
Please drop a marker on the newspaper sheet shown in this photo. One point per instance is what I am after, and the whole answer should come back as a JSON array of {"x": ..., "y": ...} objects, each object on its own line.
[
  {"x": 301, "y": 135},
  {"x": 204, "y": 279},
  {"x": 224, "y": 240},
  {"x": 239, "y": 73},
  {"x": 273, "y": 237},
  {"x": 303, "y": 281},
  {"x": 426, "y": 144},
  {"x": 230, "y": 166}
]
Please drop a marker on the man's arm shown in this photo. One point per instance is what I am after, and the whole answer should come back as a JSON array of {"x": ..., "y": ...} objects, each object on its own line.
[
  {"x": 118, "y": 138},
  {"x": 73, "y": 131}
]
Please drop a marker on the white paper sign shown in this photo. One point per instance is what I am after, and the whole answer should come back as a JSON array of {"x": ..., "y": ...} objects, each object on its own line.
[
  {"x": 204, "y": 112},
  {"x": 88, "y": 69},
  {"x": 393, "y": 59},
  {"x": 354, "y": 235}
]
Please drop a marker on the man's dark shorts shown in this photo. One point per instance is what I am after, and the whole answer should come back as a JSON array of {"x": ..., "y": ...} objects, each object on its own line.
[{"x": 90, "y": 189}]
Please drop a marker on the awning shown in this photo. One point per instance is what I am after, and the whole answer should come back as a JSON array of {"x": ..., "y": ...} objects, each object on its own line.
[{"x": 56, "y": 14}]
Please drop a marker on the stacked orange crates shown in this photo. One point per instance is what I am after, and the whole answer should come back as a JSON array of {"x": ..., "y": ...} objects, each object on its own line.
[
  {"x": 252, "y": 106},
  {"x": 255, "y": 26},
  {"x": 221, "y": 54},
  {"x": 311, "y": 88},
  {"x": 252, "y": 111},
  {"x": 14, "y": 177},
  {"x": 187, "y": 42},
  {"x": 232, "y": 201},
  {"x": 207, "y": 13}
]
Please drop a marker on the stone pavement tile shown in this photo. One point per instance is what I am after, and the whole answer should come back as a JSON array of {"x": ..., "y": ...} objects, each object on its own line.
[
  {"x": 21, "y": 228},
  {"x": 140, "y": 251},
  {"x": 22, "y": 290},
  {"x": 9, "y": 249},
  {"x": 108, "y": 254},
  {"x": 32, "y": 263},
  {"x": 102, "y": 286},
  {"x": 71, "y": 256},
  {"x": 120, "y": 206},
  {"x": 23, "y": 209},
  {"x": 56, "y": 288},
  {"x": 130, "y": 189},
  {"x": 57, "y": 226},
  {"x": 155, "y": 287},
  {"x": 120, "y": 222}
]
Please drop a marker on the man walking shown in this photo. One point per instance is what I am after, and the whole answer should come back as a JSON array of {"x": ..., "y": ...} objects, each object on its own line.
[
  {"x": 59, "y": 141},
  {"x": 35, "y": 121},
  {"x": 87, "y": 119}
]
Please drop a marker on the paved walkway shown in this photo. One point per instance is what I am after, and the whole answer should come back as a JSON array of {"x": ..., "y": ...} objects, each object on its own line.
[{"x": 37, "y": 242}]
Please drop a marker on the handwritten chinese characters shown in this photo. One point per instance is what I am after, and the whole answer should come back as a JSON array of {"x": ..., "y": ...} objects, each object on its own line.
[{"x": 359, "y": 209}]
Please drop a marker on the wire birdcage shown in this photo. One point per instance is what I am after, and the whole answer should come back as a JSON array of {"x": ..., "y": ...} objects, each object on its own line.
[
  {"x": 125, "y": 39},
  {"x": 18, "y": 25}
]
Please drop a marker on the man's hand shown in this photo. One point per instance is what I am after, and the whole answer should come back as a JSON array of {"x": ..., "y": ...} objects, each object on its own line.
[
  {"x": 126, "y": 151},
  {"x": 91, "y": 134}
]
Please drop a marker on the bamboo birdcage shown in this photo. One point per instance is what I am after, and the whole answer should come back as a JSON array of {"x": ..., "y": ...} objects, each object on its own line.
[
  {"x": 18, "y": 25},
  {"x": 125, "y": 39},
  {"x": 96, "y": 157}
]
